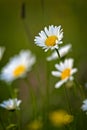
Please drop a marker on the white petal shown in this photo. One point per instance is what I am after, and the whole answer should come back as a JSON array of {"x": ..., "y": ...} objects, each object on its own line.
[
  {"x": 53, "y": 56},
  {"x": 56, "y": 73},
  {"x": 2, "y": 49},
  {"x": 73, "y": 71},
  {"x": 64, "y": 50},
  {"x": 71, "y": 78},
  {"x": 70, "y": 63},
  {"x": 59, "y": 84},
  {"x": 60, "y": 66}
]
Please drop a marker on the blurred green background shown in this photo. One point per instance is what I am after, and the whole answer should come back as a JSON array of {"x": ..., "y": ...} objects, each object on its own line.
[{"x": 18, "y": 33}]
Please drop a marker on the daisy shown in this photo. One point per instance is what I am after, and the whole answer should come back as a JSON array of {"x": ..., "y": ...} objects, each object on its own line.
[
  {"x": 64, "y": 71},
  {"x": 49, "y": 38},
  {"x": 2, "y": 49},
  {"x": 62, "y": 51},
  {"x": 11, "y": 104},
  {"x": 18, "y": 66},
  {"x": 84, "y": 106}
]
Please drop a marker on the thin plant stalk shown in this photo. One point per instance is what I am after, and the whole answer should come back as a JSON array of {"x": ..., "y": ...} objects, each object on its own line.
[
  {"x": 67, "y": 100},
  {"x": 23, "y": 17},
  {"x": 33, "y": 98},
  {"x": 41, "y": 94},
  {"x": 80, "y": 89},
  {"x": 17, "y": 113},
  {"x": 58, "y": 54},
  {"x": 2, "y": 124},
  {"x": 47, "y": 86},
  {"x": 43, "y": 10},
  {"x": 11, "y": 93}
]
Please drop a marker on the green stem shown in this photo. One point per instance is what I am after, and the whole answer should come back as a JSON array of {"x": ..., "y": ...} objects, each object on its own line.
[
  {"x": 2, "y": 124},
  {"x": 11, "y": 93},
  {"x": 67, "y": 100},
  {"x": 58, "y": 54},
  {"x": 41, "y": 94},
  {"x": 17, "y": 113},
  {"x": 33, "y": 98},
  {"x": 47, "y": 86},
  {"x": 80, "y": 89}
]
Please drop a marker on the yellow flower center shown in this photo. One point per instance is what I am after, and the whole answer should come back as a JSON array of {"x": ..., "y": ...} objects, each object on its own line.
[
  {"x": 51, "y": 41},
  {"x": 65, "y": 73},
  {"x": 19, "y": 70}
]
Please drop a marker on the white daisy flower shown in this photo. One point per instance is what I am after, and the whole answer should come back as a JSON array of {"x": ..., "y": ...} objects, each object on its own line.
[
  {"x": 2, "y": 49},
  {"x": 84, "y": 106},
  {"x": 18, "y": 66},
  {"x": 49, "y": 38},
  {"x": 62, "y": 51},
  {"x": 64, "y": 71},
  {"x": 11, "y": 104}
]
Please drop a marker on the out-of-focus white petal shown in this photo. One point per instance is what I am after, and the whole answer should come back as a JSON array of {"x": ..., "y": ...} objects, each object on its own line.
[
  {"x": 11, "y": 104},
  {"x": 2, "y": 49}
]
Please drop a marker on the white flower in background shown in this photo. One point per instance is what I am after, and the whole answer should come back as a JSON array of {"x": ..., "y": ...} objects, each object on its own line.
[
  {"x": 11, "y": 104},
  {"x": 86, "y": 85},
  {"x": 84, "y": 106},
  {"x": 62, "y": 51},
  {"x": 18, "y": 66},
  {"x": 49, "y": 38},
  {"x": 64, "y": 71},
  {"x": 2, "y": 49}
]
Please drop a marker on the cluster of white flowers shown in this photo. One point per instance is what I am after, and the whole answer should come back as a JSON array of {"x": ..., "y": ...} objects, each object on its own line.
[
  {"x": 51, "y": 38},
  {"x": 19, "y": 65}
]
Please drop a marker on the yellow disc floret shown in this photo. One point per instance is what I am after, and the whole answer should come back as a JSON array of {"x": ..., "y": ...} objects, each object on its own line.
[
  {"x": 19, "y": 70},
  {"x": 65, "y": 73},
  {"x": 51, "y": 41}
]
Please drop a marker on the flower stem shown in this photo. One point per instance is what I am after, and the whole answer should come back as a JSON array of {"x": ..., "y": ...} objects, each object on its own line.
[
  {"x": 17, "y": 113},
  {"x": 67, "y": 99},
  {"x": 47, "y": 86},
  {"x": 10, "y": 91},
  {"x": 41, "y": 94},
  {"x": 2, "y": 124},
  {"x": 80, "y": 89},
  {"x": 58, "y": 53},
  {"x": 33, "y": 98}
]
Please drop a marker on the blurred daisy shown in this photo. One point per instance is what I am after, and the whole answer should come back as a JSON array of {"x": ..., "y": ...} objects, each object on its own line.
[
  {"x": 11, "y": 104},
  {"x": 49, "y": 38},
  {"x": 86, "y": 85},
  {"x": 35, "y": 125},
  {"x": 2, "y": 49},
  {"x": 84, "y": 106},
  {"x": 60, "y": 118},
  {"x": 62, "y": 51},
  {"x": 18, "y": 66},
  {"x": 64, "y": 71}
]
